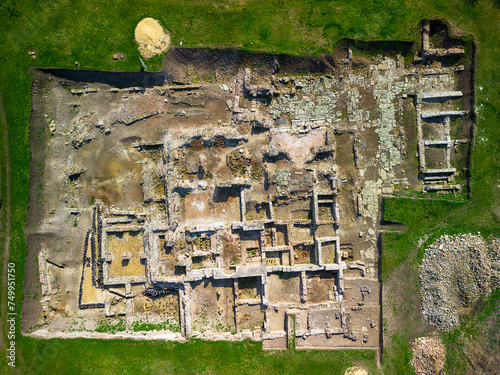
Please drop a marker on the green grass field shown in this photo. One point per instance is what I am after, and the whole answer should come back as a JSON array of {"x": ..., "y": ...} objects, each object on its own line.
[
  {"x": 91, "y": 31},
  {"x": 483, "y": 329},
  {"x": 195, "y": 357}
]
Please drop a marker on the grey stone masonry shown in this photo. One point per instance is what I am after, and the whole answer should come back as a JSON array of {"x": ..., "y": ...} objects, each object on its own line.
[
  {"x": 439, "y": 52},
  {"x": 442, "y": 187},
  {"x": 263, "y": 283},
  {"x": 151, "y": 256},
  {"x": 358, "y": 266},
  {"x": 117, "y": 212},
  {"x": 205, "y": 228},
  {"x": 42, "y": 268},
  {"x": 247, "y": 226},
  {"x": 277, "y": 248},
  {"x": 147, "y": 182},
  {"x": 420, "y": 138},
  {"x": 168, "y": 170},
  {"x": 185, "y": 309},
  {"x": 445, "y": 142},
  {"x": 117, "y": 220},
  {"x": 318, "y": 252},
  {"x": 273, "y": 237},
  {"x": 262, "y": 244},
  {"x": 149, "y": 144},
  {"x": 315, "y": 206},
  {"x": 243, "y": 208},
  {"x": 306, "y": 125},
  {"x": 122, "y": 228},
  {"x": 336, "y": 240},
  {"x": 235, "y": 182},
  {"x": 441, "y": 94},
  {"x": 440, "y": 171},
  {"x": 340, "y": 279},
  {"x": 426, "y": 30},
  {"x": 442, "y": 114},
  {"x": 303, "y": 287},
  {"x": 270, "y": 205},
  {"x": 359, "y": 202}
]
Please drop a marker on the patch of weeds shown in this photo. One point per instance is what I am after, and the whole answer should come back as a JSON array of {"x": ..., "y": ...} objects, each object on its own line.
[
  {"x": 106, "y": 326},
  {"x": 398, "y": 356},
  {"x": 144, "y": 326}
]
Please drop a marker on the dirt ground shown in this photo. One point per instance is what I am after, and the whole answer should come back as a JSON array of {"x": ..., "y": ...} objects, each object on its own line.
[
  {"x": 401, "y": 304},
  {"x": 126, "y": 244},
  {"x": 320, "y": 287},
  {"x": 284, "y": 288},
  {"x": 164, "y": 307},
  {"x": 218, "y": 316}
]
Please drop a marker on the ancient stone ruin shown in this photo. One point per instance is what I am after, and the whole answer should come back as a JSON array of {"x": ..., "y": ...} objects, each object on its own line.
[{"x": 235, "y": 196}]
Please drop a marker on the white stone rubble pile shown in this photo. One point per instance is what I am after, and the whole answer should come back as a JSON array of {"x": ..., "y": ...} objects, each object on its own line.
[{"x": 455, "y": 272}]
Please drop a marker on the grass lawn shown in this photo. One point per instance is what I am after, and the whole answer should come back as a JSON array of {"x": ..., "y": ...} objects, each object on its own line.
[
  {"x": 91, "y": 31},
  {"x": 194, "y": 357},
  {"x": 475, "y": 333}
]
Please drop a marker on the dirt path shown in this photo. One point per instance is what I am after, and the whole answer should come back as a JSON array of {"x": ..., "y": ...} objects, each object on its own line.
[{"x": 4, "y": 227}]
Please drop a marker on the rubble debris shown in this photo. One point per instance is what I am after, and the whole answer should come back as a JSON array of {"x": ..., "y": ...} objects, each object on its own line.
[
  {"x": 429, "y": 355},
  {"x": 81, "y": 132},
  {"x": 455, "y": 272},
  {"x": 157, "y": 292}
]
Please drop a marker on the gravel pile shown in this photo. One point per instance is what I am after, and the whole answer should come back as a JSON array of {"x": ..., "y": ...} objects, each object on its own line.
[
  {"x": 455, "y": 272},
  {"x": 429, "y": 355},
  {"x": 151, "y": 38}
]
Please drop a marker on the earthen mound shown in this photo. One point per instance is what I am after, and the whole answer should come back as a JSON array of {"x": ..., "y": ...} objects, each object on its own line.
[{"x": 151, "y": 38}]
